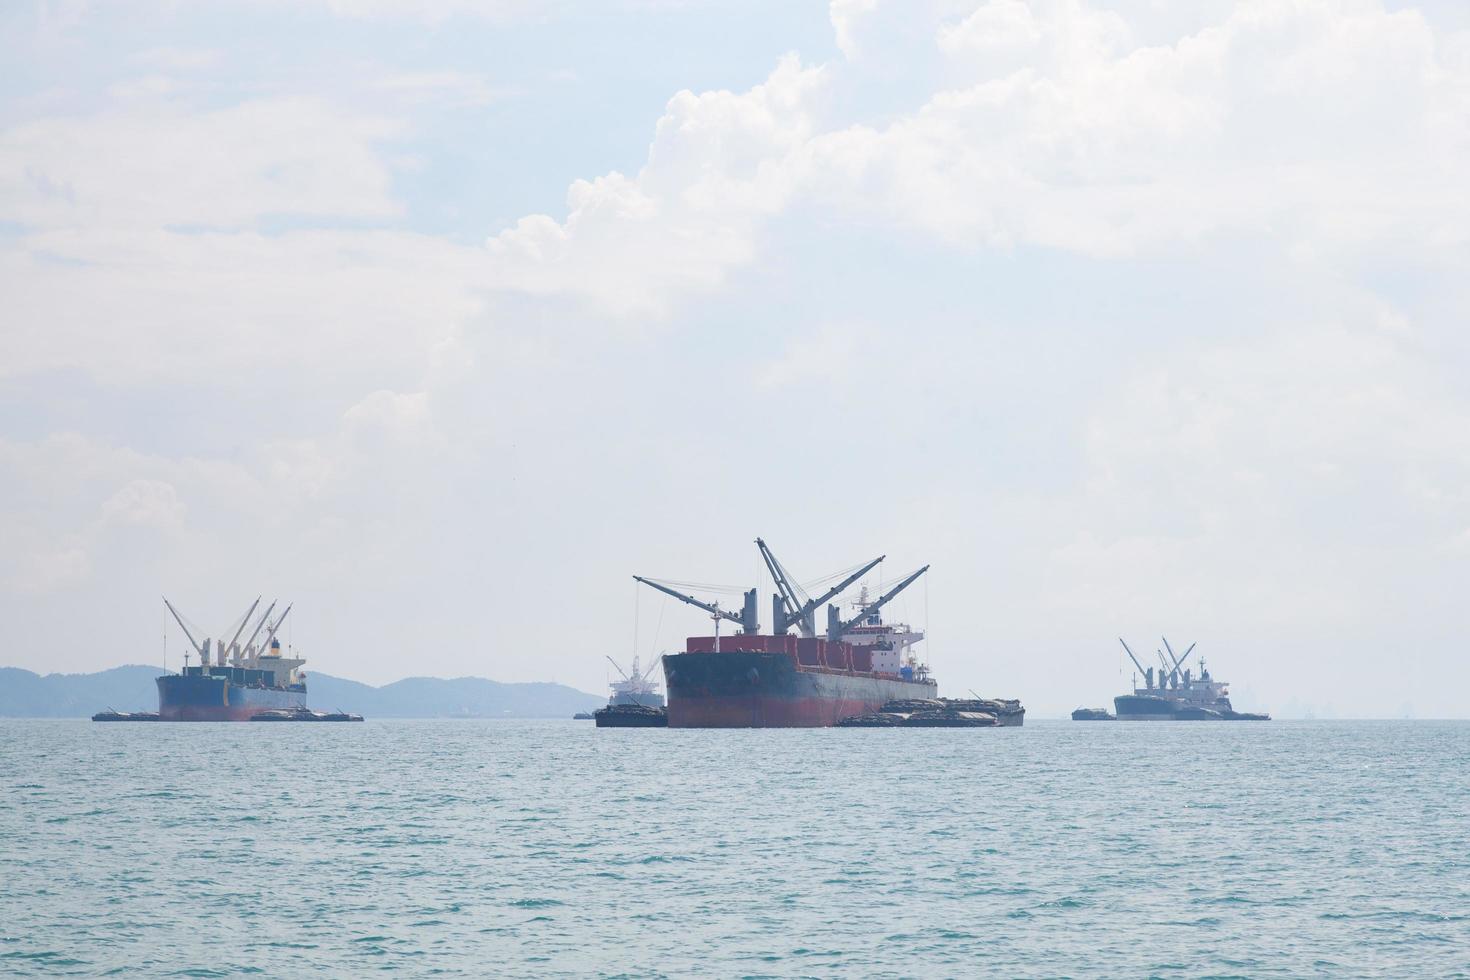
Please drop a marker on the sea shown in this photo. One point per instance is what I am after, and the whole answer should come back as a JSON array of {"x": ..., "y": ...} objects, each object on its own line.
[{"x": 552, "y": 848}]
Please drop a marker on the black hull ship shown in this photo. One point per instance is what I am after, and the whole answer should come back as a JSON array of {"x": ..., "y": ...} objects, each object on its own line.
[
  {"x": 1175, "y": 693},
  {"x": 795, "y": 676}
]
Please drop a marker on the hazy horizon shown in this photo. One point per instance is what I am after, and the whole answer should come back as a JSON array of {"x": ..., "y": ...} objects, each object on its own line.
[{"x": 442, "y": 320}]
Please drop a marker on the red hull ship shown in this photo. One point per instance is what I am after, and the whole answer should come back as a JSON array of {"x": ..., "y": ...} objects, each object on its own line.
[{"x": 781, "y": 680}]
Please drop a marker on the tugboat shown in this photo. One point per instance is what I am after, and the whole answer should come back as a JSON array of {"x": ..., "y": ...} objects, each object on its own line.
[
  {"x": 1175, "y": 694},
  {"x": 635, "y": 701}
]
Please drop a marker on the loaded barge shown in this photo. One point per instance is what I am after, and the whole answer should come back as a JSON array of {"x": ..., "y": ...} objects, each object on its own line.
[{"x": 784, "y": 680}]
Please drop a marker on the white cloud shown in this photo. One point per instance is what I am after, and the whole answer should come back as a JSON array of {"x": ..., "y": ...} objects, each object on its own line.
[
  {"x": 718, "y": 164},
  {"x": 178, "y": 59},
  {"x": 826, "y": 356},
  {"x": 166, "y": 164},
  {"x": 1325, "y": 124},
  {"x": 997, "y": 27},
  {"x": 1318, "y": 121},
  {"x": 149, "y": 304},
  {"x": 403, "y": 418},
  {"x": 460, "y": 89},
  {"x": 151, "y": 503}
]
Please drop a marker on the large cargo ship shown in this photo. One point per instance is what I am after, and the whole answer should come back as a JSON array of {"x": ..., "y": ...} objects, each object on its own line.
[
  {"x": 234, "y": 681},
  {"x": 1177, "y": 694},
  {"x": 780, "y": 680}
]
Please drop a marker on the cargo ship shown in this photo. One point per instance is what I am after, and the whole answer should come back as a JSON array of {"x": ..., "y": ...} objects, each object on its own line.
[
  {"x": 637, "y": 686},
  {"x": 635, "y": 701},
  {"x": 751, "y": 679},
  {"x": 1175, "y": 693},
  {"x": 234, "y": 681}
]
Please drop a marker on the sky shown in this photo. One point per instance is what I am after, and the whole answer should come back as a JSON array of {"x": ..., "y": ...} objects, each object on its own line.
[{"x": 442, "y": 319}]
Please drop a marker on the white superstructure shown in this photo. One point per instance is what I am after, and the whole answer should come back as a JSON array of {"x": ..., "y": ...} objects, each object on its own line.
[
  {"x": 636, "y": 687},
  {"x": 889, "y": 642}
]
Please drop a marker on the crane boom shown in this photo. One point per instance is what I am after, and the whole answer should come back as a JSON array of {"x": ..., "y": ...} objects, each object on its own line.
[
  {"x": 270, "y": 633},
  {"x": 243, "y": 622},
  {"x": 746, "y": 618},
  {"x": 1178, "y": 661},
  {"x": 616, "y": 667},
  {"x": 790, "y": 615},
  {"x": 880, "y": 602},
  {"x": 1132, "y": 657},
  {"x": 264, "y": 618},
  {"x": 809, "y": 611},
  {"x": 180, "y": 620}
]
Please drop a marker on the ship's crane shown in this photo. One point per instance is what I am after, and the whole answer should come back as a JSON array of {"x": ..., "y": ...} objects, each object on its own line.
[
  {"x": 747, "y": 617},
  {"x": 244, "y": 621},
  {"x": 791, "y": 606},
  {"x": 264, "y": 618},
  {"x": 638, "y": 675},
  {"x": 809, "y": 611},
  {"x": 788, "y": 600},
  {"x": 1166, "y": 673},
  {"x": 1178, "y": 661},
  {"x": 836, "y": 627},
  {"x": 636, "y": 678},
  {"x": 199, "y": 648},
  {"x": 1147, "y": 674},
  {"x": 270, "y": 633}
]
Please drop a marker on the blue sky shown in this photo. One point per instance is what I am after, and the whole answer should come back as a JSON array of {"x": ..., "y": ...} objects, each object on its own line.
[{"x": 444, "y": 319}]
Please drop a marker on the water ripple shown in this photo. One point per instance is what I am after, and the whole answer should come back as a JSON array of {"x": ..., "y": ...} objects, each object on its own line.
[{"x": 479, "y": 848}]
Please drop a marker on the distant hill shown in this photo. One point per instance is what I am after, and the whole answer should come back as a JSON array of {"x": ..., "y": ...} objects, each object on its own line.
[{"x": 24, "y": 694}]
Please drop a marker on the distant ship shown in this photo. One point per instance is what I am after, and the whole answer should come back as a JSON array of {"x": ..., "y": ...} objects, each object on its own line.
[
  {"x": 636, "y": 687},
  {"x": 635, "y": 701},
  {"x": 234, "y": 681},
  {"x": 780, "y": 680},
  {"x": 1175, "y": 694}
]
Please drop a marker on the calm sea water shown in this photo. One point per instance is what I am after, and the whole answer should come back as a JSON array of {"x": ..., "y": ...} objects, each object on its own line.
[{"x": 516, "y": 848}]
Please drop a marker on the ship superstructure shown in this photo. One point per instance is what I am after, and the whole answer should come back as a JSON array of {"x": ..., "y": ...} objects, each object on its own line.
[
  {"x": 637, "y": 686},
  {"x": 888, "y": 644},
  {"x": 783, "y": 679},
  {"x": 234, "y": 681},
  {"x": 1175, "y": 693}
]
